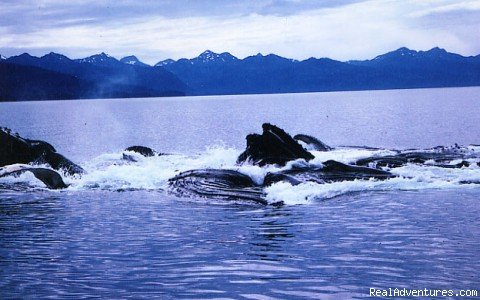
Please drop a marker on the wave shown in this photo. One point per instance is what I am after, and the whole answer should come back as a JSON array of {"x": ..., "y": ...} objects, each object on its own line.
[{"x": 111, "y": 172}]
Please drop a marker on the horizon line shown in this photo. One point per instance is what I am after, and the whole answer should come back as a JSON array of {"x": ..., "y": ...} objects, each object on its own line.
[{"x": 227, "y": 52}]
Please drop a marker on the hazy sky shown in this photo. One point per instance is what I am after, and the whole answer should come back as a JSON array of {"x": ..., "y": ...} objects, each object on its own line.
[{"x": 156, "y": 30}]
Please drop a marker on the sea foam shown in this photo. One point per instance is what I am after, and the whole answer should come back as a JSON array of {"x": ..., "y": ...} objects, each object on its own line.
[{"x": 110, "y": 171}]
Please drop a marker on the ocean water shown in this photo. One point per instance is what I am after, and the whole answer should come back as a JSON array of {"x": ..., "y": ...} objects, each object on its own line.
[{"x": 117, "y": 233}]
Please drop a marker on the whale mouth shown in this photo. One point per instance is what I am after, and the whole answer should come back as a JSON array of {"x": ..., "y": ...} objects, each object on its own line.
[
  {"x": 217, "y": 184},
  {"x": 111, "y": 172}
]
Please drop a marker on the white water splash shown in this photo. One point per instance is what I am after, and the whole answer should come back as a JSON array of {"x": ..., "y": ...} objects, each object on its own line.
[{"x": 110, "y": 172}]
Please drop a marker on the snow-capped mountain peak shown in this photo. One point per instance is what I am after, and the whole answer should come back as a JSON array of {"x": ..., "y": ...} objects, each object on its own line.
[
  {"x": 132, "y": 60},
  {"x": 98, "y": 59},
  {"x": 210, "y": 56},
  {"x": 408, "y": 53},
  {"x": 165, "y": 62},
  {"x": 405, "y": 52}
]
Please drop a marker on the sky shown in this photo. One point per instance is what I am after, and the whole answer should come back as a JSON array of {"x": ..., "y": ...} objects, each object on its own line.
[{"x": 299, "y": 29}]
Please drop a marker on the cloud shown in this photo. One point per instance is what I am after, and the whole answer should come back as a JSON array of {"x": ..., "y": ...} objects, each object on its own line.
[
  {"x": 292, "y": 28},
  {"x": 449, "y": 7}
]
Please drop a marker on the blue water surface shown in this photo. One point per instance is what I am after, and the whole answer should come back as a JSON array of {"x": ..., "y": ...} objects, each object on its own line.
[{"x": 146, "y": 244}]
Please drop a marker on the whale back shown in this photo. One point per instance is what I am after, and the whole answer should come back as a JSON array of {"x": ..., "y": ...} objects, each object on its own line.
[
  {"x": 50, "y": 178},
  {"x": 145, "y": 151},
  {"x": 15, "y": 149},
  {"x": 330, "y": 171}
]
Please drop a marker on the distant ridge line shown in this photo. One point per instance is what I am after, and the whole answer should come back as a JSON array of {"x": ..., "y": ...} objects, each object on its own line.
[{"x": 26, "y": 77}]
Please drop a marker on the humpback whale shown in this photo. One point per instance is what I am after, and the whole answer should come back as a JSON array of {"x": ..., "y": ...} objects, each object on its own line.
[
  {"x": 312, "y": 142},
  {"x": 273, "y": 146},
  {"x": 142, "y": 150},
  {"x": 15, "y": 149},
  {"x": 145, "y": 151},
  {"x": 50, "y": 178},
  {"x": 438, "y": 156},
  {"x": 330, "y": 171},
  {"x": 217, "y": 184}
]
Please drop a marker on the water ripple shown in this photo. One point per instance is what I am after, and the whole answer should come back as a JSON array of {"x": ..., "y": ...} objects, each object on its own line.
[{"x": 143, "y": 244}]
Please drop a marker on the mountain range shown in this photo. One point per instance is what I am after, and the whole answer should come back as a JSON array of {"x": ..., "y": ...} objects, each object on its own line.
[{"x": 55, "y": 76}]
